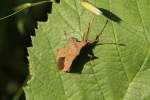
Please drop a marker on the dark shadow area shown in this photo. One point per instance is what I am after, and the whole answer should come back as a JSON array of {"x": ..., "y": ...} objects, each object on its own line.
[
  {"x": 57, "y": 1},
  {"x": 13, "y": 46},
  {"x": 86, "y": 55},
  {"x": 110, "y": 15},
  {"x": 40, "y": 12}
]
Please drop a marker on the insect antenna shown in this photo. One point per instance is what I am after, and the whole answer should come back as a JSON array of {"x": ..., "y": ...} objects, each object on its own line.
[
  {"x": 86, "y": 34},
  {"x": 101, "y": 32}
]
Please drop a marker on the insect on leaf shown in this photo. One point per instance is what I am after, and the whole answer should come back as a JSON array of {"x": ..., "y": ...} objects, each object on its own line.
[{"x": 66, "y": 56}]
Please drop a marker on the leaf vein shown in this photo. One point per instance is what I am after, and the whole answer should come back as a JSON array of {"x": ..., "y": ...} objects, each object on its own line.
[
  {"x": 143, "y": 24},
  {"x": 117, "y": 49},
  {"x": 100, "y": 88},
  {"x": 51, "y": 48},
  {"x": 78, "y": 15},
  {"x": 147, "y": 56}
]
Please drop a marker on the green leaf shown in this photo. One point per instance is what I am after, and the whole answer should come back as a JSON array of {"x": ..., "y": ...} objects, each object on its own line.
[{"x": 121, "y": 72}]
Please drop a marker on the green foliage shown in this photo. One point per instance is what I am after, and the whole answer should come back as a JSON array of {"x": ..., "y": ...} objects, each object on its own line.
[{"x": 121, "y": 72}]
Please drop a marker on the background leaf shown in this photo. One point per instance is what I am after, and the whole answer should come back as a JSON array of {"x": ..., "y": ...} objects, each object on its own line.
[{"x": 121, "y": 72}]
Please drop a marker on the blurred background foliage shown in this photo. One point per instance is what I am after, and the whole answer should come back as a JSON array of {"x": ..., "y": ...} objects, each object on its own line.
[{"x": 15, "y": 37}]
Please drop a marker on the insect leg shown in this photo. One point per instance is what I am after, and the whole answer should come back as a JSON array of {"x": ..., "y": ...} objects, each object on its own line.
[{"x": 67, "y": 35}]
